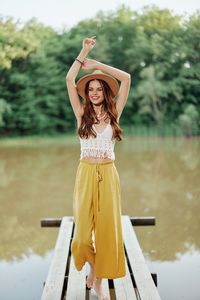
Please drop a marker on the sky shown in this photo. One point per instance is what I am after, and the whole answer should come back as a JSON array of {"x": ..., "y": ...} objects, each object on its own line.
[{"x": 68, "y": 13}]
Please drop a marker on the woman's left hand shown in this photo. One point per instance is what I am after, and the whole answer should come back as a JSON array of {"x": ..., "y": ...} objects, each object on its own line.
[{"x": 90, "y": 64}]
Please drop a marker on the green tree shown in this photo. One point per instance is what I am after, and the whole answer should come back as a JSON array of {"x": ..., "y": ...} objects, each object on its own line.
[
  {"x": 151, "y": 91},
  {"x": 160, "y": 50},
  {"x": 189, "y": 120}
]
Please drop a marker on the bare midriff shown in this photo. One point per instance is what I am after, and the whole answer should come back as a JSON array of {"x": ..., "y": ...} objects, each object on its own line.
[{"x": 96, "y": 160}]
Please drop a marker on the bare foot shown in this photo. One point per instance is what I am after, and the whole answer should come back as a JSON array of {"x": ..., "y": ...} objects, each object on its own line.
[
  {"x": 91, "y": 277},
  {"x": 97, "y": 286}
]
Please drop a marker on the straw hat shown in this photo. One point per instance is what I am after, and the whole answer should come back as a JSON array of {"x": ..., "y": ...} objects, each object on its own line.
[{"x": 97, "y": 74}]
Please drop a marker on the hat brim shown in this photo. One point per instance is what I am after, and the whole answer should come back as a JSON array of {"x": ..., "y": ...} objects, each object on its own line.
[{"x": 111, "y": 81}]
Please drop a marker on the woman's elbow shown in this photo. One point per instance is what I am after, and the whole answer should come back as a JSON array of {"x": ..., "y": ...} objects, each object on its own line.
[
  {"x": 69, "y": 77},
  {"x": 129, "y": 76}
]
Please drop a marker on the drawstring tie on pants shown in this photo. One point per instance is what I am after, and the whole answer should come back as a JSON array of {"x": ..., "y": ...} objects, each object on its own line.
[{"x": 99, "y": 178}]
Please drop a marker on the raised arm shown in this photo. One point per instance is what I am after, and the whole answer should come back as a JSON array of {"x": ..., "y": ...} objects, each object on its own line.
[
  {"x": 122, "y": 76},
  {"x": 88, "y": 44}
]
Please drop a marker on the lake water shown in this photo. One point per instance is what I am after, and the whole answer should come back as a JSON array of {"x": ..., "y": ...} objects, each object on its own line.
[{"x": 159, "y": 177}]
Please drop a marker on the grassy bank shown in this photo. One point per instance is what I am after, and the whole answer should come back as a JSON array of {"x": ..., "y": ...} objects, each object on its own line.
[
  {"x": 164, "y": 131},
  {"x": 138, "y": 131}
]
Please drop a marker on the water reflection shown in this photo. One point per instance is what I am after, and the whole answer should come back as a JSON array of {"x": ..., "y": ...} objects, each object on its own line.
[
  {"x": 23, "y": 279},
  {"x": 159, "y": 177}
]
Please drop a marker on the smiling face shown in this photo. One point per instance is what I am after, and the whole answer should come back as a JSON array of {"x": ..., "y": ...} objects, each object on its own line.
[{"x": 95, "y": 92}]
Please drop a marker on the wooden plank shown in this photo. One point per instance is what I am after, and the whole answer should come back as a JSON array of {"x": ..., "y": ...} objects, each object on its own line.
[
  {"x": 55, "y": 278},
  {"x": 144, "y": 282},
  {"x": 50, "y": 222},
  {"x": 143, "y": 221},
  {"x": 136, "y": 221},
  {"x": 124, "y": 287},
  {"x": 76, "y": 286}
]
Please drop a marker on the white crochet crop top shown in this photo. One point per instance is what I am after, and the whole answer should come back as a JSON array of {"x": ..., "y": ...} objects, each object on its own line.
[{"x": 101, "y": 146}]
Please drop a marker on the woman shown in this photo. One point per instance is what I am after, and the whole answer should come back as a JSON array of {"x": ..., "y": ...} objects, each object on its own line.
[{"x": 96, "y": 199}]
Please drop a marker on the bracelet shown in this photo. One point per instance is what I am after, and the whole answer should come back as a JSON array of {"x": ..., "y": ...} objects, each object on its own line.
[{"x": 79, "y": 61}]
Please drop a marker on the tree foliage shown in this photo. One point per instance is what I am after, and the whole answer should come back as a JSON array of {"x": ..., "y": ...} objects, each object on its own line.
[{"x": 160, "y": 50}]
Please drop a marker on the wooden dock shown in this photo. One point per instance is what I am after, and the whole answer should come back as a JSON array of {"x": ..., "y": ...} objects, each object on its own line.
[{"x": 64, "y": 282}]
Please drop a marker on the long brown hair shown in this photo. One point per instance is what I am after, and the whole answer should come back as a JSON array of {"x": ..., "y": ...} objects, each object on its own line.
[{"x": 89, "y": 117}]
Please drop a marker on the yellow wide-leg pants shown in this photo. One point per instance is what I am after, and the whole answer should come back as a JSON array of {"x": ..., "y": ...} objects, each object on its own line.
[{"x": 97, "y": 213}]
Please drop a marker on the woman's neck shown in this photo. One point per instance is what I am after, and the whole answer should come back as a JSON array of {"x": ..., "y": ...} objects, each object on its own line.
[{"x": 99, "y": 111}]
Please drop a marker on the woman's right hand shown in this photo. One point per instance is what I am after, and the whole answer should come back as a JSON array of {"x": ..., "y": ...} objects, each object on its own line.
[{"x": 89, "y": 43}]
